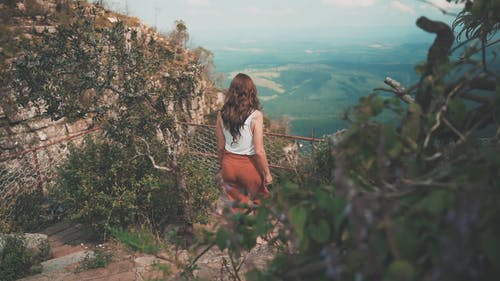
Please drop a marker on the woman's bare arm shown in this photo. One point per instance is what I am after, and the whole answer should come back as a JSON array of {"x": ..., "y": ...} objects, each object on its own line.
[
  {"x": 258, "y": 142},
  {"x": 221, "y": 142}
]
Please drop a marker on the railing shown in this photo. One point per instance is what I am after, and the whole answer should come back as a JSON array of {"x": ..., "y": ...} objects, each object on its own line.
[
  {"x": 283, "y": 151},
  {"x": 36, "y": 168}
]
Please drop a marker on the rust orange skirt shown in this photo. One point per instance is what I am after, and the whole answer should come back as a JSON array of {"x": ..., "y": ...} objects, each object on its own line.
[{"x": 243, "y": 182}]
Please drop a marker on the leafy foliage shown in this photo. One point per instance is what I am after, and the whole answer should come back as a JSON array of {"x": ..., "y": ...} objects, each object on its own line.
[
  {"x": 72, "y": 72},
  {"x": 179, "y": 36},
  {"x": 479, "y": 19},
  {"x": 25, "y": 213},
  {"x": 16, "y": 261},
  {"x": 135, "y": 86},
  {"x": 412, "y": 198},
  {"x": 203, "y": 189},
  {"x": 105, "y": 186}
]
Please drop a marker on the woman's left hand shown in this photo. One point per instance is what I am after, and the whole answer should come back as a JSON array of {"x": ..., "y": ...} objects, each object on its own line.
[{"x": 268, "y": 179}]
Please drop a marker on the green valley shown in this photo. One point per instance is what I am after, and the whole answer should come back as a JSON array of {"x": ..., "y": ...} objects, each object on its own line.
[{"x": 313, "y": 86}]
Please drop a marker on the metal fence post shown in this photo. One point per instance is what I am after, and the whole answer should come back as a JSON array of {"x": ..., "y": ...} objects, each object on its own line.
[{"x": 37, "y": 169}]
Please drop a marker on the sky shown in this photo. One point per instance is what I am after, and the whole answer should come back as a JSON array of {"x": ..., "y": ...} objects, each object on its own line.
[{"x": 212, "y": 23}]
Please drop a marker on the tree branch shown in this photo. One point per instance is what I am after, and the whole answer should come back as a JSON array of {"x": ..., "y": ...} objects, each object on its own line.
[
  {"x": 437, "y": 56},
  {"x": 443, "y": 109},
  {"x": 153, "y": 162},
  {"x": 436, "y": 125},
  {"x": 195, "y": 260},
  {"x": 399, "y": 90}
]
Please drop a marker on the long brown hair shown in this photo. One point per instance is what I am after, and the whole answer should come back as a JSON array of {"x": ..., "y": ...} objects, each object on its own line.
[{"x": 241, "y": 101}]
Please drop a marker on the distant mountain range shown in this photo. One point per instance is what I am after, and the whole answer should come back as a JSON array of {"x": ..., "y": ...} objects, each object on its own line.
[{"x": 313, "y": 84}]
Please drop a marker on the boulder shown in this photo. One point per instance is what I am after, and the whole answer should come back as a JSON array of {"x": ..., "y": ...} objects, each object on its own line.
[{"x": 37, "y": 243}]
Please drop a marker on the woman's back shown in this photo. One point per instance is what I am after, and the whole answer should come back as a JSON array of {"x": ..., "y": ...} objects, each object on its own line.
[{"x": 243, "y": 145}]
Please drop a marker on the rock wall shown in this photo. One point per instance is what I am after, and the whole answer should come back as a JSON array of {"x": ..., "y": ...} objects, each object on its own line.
[{"x": 26, "y": 130}]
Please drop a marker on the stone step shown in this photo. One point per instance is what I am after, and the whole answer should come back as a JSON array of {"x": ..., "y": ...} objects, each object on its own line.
[
  {"x": 61, "y": 262},
  {"x": 66, "y": 233},
  {"x": 58, "y": 227}
]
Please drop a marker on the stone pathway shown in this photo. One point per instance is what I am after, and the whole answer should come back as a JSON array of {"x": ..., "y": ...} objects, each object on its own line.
[{"x": 70, "y": 244}]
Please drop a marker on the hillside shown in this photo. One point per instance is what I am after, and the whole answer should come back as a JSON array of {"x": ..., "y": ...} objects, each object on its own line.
[
  {"x": 314, "y": 84},
  {"x": 73, "y": 69},
  {"x": 85, "y": 56}
]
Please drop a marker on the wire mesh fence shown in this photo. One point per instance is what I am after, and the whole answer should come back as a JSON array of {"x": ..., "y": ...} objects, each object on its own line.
[
  {"x": 283, "y": 151},
  {"x": 36, "y": 168}
]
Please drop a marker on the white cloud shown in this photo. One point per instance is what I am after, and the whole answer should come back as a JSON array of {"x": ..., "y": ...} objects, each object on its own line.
[
  {"x": 314, "y": 51},
  {"x": 198, "y": 3},
  {"x": 379, "y": 46},
  {"x": 402, "y": 7},
  {"x": 441, "y": 5},
  {"x": 349, "y": 3},
  {"x": 446, "y": 5}
]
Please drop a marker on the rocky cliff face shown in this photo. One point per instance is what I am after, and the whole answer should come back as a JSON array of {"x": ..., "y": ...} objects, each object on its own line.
[{"x": 25, "y": 24}]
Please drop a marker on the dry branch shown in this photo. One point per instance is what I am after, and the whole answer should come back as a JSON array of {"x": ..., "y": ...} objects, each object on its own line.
[
  {"x": 150, "y": 157},
  {"x": 399, "y": 90}
]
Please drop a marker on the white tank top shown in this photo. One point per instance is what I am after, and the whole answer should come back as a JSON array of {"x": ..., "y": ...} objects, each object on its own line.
[{"x": 244, "y": 144}]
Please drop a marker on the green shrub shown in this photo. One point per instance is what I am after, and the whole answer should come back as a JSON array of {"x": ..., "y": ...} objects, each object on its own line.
[
  {"x": 202, "y": 190},
  {"x": 104, "y": 185},
  {"x": 29, "y": 211},
  {"x": 16, "y": 260}
]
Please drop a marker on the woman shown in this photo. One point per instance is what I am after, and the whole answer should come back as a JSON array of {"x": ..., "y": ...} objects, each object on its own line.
[{"x": 240, "y": 143}]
